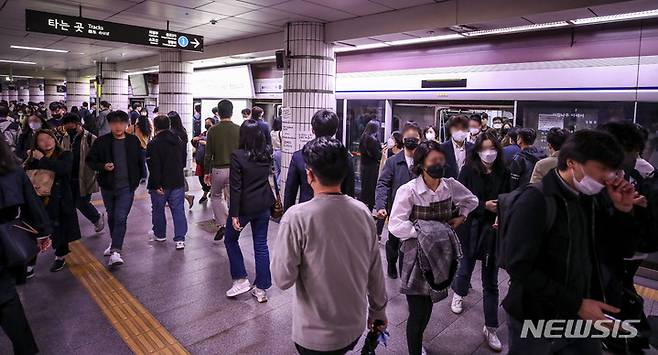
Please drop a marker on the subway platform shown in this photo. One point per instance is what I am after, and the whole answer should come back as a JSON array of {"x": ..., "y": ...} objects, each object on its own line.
[{"x": 164, "y": 301}]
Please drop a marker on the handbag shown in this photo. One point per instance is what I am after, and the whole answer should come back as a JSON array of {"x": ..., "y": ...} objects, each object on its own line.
[
  {"x": 42, "y": 180},
  {"x": 276, "y": 211},
  {"x": 18, "y": 240}
]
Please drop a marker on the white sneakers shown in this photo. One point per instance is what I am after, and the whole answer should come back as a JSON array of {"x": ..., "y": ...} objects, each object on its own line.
[
  {"x": 261, "y": 295},
  {"x": 457, "y": 305},
  {"x": 492, "y": 339},
  {"x": 180, "y": 245},
  {"x": 100, "y": 224},
  {"x": 108, "y": 251},
  {"x": 115, "y": 259},
  {"x": 239, "y": 287}
]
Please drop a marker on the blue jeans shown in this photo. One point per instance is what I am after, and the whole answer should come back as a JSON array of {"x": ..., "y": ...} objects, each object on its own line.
[
  {"x": 462, "y": 282},
  {"x": 277, "y": 165},
  {"x": 117, "y": 204},
  {"x": 259, "y": 223},
  {"x": 175, "y": 198}
]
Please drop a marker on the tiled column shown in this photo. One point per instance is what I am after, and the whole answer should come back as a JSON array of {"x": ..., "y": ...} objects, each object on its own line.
[
  {"x": 5, "y": 92},
  {"x": 23, "y": 91},
  {"x": 50, "y": 92},
  {"x": 77, "y": 89},
  {"x": 308, "y": 85},
  {"x": 115, "y": 87},
  {"x": 154, "y": 90},
  {"x": 13, "y": 93},
  {"x": 175, "y": 90},
  {"x": 36, "y": 90}
]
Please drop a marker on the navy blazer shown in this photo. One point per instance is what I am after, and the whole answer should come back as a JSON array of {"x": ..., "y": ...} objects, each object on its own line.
[
  {"x": 296, "y": 181},
  {"x": 394, "y": 174},
  {"x": 451, "y": 169}
]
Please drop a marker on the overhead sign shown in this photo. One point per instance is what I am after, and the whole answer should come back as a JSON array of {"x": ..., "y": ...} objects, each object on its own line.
[{"x": 45, "y": 22}]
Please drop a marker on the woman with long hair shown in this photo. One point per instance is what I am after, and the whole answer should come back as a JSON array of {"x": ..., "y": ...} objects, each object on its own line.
[
  {"x": 251, "y": 198},
  {"x": 47, "y": 154},
  {"x": 26, "y": 139},
  {"x": 18, "y": 201},
  {"x": 371, "y": 153},
  {"x": 486, "y": 176},
  {"x": 179, "y": 130},
  {"x": 277, "y": 141}
]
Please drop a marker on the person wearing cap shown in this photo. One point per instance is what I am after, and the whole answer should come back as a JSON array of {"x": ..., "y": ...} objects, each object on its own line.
[{"x": 83, "y": 179}]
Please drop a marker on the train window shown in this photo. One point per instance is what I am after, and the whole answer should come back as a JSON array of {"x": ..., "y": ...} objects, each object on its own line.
[
  {"x": 340, "y": 113},
  {"x": 359, "y": 113},
  {"x": 647, "y": 117}
]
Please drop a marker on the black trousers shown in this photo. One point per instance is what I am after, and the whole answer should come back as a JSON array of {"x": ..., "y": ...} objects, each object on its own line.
[
  {"x": 14, "y": 324},
  {"x": 420, "y": 312},
  {"x": 205, "y": 187},
  {"x": 304, "y": 351},
  {"x": 392, "y": 253}
]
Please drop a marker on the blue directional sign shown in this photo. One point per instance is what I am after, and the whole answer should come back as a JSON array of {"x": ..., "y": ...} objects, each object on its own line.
[{"x": 183, "y": 41}]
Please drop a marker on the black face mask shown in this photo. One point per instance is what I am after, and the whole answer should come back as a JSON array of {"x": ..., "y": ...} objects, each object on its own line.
[
  {"x": 72, "y": 132},
  {"x": 57, "y": 116},
  {"x": 208, "y": 126},
  {"x": 411, "y": 143},
  {"x": 436, "y": 171}
]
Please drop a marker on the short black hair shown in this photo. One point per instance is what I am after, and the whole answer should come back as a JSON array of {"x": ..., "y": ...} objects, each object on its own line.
[
  {"x": 256, "y": 113},
  {"x": 324, "y": 123},
  {"x": 55, "y": 105},
  {"x": 214, "y": 110},
  {"x": 412, "y": 126},
  {"x": 327, "y": 158},
  {"x": 161, "y": 123},
  {"x": 513, "y": 133},
  {"x": 527, "y": 135},
  {"x": 197, "y": 108},
  {"x": 475, "y": 117},
  {"x": 556, "y": 137},
  {"x": 225, "y": 108},
  {"x": 423, "y": 150},
  {"x": 4, "y": 110},
  {"x": 246, "y": 111},
  {"x": 136, "y": 105},
  {"x": 105, "y": 103},
  {"x": 118, "y": 116},
  {"x": 594, "y": 145},
  {"x": 277, "y": 124},
  {"x": 93, "y": 104},
  {"x": 71, "y": 117},
  {"x": 627, "y": 135},
  {"x": 84, "y": 104},
  {"x": 458, "y": 120}
]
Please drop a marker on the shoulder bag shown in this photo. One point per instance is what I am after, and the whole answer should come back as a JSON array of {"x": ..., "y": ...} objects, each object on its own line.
[
  {"x": 276, "y": 211},
  {"x": 18, "y": 241}
]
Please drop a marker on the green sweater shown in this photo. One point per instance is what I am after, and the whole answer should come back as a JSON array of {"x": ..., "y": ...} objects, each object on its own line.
[{"x": 222, "y": 139}]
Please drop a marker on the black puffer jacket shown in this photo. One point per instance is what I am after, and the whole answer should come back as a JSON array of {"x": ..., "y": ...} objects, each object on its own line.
[
  {"x": 523, "y": 164},
  {"x": 165, "y": 162}
]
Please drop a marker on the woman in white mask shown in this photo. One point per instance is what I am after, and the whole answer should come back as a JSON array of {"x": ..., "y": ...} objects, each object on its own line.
[
  {"x": 486, "y": 176},
  {"x": 26, "y": 140},
  {"x": 393, "y": 146},
  {"x": 430, "y": 134}
]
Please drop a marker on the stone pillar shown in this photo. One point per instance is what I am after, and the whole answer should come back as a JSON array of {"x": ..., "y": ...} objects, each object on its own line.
[
  {"x": 13, "y": 92},
  {"x": 115, "y": 87},
  {"x": 175, "y": 90},
  {"x": 5, "y": 92},
  {"x": 308, "y": 85},
  {"x": 77, "y": 89},
  {"x": 50, "y": 92},
  {"x": 23, "y": 91},
  {"x": 36, "y": 90}
]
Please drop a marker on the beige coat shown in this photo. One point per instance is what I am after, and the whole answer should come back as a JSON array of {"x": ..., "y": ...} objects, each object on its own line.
[
  {"x": 87, "y": 176},
  {"x": 543, "y": 167}
]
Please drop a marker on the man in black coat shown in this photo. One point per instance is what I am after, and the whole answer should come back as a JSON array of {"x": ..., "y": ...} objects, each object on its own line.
[
  {"x": 554, "y": 266},
  {"x": 166, "y": 183},
  {"x": 396, "y": 172},
  {"x": 457, "y": 148},
  {"x": 324, "y": 124},
  {"x": 117, "y": 157}
]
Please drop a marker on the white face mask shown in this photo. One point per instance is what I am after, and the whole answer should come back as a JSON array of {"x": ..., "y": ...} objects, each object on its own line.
[
  {"x": 644, "y": 167},
  {"x": 459, "y": 136},
  {"x": 390, "y": 143},
  {"x": 497, "y": 125},
  {"x": 474, "y": 131},
  {"x": 430, "y": 136},
  {"x": 35, "y": 125},
  {"x": 488, "y": 156},
  {"x": 588, "y": 185}
]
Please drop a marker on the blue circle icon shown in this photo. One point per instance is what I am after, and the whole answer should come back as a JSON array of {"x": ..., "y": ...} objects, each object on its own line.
[{"x": 183, "y": 41}]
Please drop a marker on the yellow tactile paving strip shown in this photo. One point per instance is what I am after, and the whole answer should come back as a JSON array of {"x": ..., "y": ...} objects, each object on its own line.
[
  {"x": 647, "y": 292},
  {"x": 135, "y": 324}
]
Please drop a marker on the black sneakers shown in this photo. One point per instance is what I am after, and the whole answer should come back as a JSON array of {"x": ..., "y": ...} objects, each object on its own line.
[
  {"x": 220, "y": 233},
  {"x": 58, "y": 265}
]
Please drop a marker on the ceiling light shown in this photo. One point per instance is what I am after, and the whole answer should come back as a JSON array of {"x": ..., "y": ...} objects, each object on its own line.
[
  {"x": 403, "y": 42},
  {"x": 16, "y": 61},
  {"x": 16, "y": 76},
  {"x": 516, "y": 29},
  {"x": 616, "y": 18},
  {"x": 143, "y": 71},
  {"x": 361, "y": 47},
  {"x": 40, "y": 49}
]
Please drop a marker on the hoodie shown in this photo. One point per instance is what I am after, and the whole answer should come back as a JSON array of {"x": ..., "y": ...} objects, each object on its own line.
[
  {"x": 165, "y": 171},
  {"x": 523, "y": 164}
]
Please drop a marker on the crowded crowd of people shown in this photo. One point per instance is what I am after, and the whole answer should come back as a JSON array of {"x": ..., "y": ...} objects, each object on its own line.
[{"x": 554, "y": 221}]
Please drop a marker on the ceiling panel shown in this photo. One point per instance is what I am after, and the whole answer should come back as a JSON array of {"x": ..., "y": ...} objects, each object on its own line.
[
  {"x": 155, "y": 11},
  {"x": 500, "y": 24},
  {"x": 361, "y": 41},
  {"x": 186, "y": 3},
  {"x": 431, "y": 32},
  {"x": 228, "y": 7},
  {"x": 356, "y": 7},
  {"x": 393, "y": 37},
  {"x": 264, "y": 2},
  {"x": 623, "y": 7},
  {"x": 401, "y": 4},
  {"x": 313, "y": 10},
  {"x": 559, "y": 16},
  {"x": 265, "y": 15}
]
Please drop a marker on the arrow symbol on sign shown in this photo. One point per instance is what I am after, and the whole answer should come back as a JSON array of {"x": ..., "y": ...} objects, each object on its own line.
[{"x": 196, "y": 43}]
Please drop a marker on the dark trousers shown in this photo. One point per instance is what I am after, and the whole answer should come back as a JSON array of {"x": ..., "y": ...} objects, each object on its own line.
[
  {"x": 392, "y": 253},
  {"x": 304, "y": 351},
  {"x": 117, "y": 204},
  {"x": 205, "y": 187},
  {"x": 83, "y": 203},
  {"x": 462, "y": 282},
  {"x": 15, "y": 325},
  {"x": 543, "y": 346},
  {"x": 420, "y": 312},
  {"x": 259, "y": 223}
]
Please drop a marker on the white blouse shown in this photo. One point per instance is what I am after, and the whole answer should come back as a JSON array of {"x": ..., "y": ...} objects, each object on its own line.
[{"x": 416, "y": 192}]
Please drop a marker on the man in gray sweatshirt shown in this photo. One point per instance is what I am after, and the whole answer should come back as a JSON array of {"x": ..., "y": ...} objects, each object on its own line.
[{"x": 327, "y": 247}]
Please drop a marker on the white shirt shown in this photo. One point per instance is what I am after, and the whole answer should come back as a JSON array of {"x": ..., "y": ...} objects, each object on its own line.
[
  {"x": 460, "y": 155},
  {"x": 409, "y": 159},
  {"x": 416, "y": 192}
]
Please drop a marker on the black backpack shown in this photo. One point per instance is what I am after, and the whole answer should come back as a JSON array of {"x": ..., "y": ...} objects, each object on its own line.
[{"x": 505, "y": 207}]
